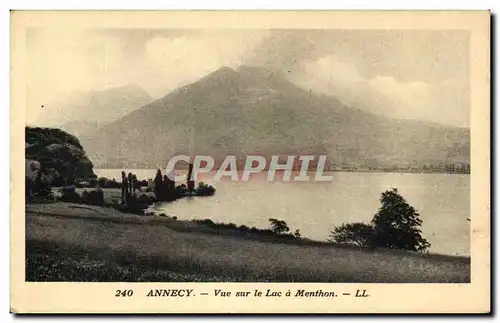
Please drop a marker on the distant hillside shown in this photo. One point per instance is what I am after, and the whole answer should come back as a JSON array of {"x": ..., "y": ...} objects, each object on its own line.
[
  {"x": 78, "y": 108},
  {"x": 255, "y": 111},
  {"x": 59, "y": 153}
]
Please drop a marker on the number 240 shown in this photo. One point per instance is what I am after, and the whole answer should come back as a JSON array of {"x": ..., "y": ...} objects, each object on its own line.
[{"x": 124, "y": 293}]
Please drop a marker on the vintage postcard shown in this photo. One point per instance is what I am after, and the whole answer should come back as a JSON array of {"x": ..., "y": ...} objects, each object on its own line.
[{"x": 250, "y": 162}]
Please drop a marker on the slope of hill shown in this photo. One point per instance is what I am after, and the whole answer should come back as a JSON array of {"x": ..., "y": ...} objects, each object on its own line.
[
  {"x": 98, "y": 244},
  {"x": 253, "y": 110}
]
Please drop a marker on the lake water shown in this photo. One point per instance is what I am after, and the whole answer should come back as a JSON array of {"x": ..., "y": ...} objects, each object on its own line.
[{"x": 443, "y": 201}]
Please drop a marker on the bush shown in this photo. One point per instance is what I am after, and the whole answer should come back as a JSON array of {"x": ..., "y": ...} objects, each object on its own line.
[
  {"x": 207, "y": 222},
  {"x": 360, "y": 234},
  {"x": 94, "y": 197},
  {"x": 103, "y": 182},
  {"x": 394, "y": 226},
  {"x": 68, "y": 194},
  {"x": 205, "y": 190},
  {"x": 279, "y": 226},
  {"x": 85, "y": 196}
]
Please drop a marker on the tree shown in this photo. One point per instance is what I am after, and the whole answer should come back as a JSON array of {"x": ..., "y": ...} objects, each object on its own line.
[
  {"x": 396, "y": 224},
  {"x": 279, "y": 226},
  {"x": 124, "y": 187},
  {"x": 358, "y": 233},
  {"x": 158, "y": 185}
]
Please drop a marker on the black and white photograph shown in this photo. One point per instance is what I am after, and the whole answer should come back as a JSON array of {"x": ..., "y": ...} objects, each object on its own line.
[{"x": 249, "y": 155}]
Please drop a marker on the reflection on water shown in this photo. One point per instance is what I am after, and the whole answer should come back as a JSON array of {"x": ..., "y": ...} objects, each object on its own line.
[{"x": 442, "y": 200}]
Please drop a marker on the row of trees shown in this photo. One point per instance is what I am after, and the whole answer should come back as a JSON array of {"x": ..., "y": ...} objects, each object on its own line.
[
  {"x": 461, "y": 169},
  {"x": 424, "y": 168}
]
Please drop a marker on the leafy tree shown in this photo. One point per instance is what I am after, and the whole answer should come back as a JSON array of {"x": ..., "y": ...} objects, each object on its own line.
[
  {"x": 279, "y": 226},
  {"x": 396, "y": 224},
  {"x": 358, "y": 233}
]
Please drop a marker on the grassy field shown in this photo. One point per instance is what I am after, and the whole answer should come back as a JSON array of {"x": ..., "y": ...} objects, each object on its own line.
[{"x": 68, "y": 242}]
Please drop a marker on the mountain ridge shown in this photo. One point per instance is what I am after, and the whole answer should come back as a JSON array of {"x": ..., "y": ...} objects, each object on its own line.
[
  {"x": 254, "y": 110},
  {"x": 99, "y": 106}
]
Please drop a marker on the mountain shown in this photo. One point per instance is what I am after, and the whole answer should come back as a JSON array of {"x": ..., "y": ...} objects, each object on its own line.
[
  {"x": 59, "y": 154},
  {"x": 252, "y": 110},
  {"x": 83, "y": 129},
  {"x": 83, "y": 110}
]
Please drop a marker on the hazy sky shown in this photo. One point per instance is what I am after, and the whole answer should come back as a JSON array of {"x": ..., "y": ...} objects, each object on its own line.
[{"x": 402, "y": 74}]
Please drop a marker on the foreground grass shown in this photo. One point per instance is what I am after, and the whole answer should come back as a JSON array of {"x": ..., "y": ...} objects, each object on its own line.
[{"x": 87, "y": 246}]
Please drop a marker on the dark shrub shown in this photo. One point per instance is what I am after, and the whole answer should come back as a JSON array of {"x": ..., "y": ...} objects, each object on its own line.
[
  {"x": 85, "y": 196},
  {"x": 279, "y": 226},
  {"x": 68, "y": 194},
  {"x": 96, "y": 197},
  {"x": 360, "y": 234},
  {"x": 204, "y": 190},
  {"x": 207, "y": 222},
  {"x": 244, "y": 228},
  {"x": 231, "y": 226}
]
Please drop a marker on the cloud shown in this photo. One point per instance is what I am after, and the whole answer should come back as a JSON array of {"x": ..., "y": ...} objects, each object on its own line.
[
  {"x": 442, "y": 101},
  {"x": 185, "y": 59},
  {"x": 403, "y": 74},
  {"x": 158, "y": 61}
]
